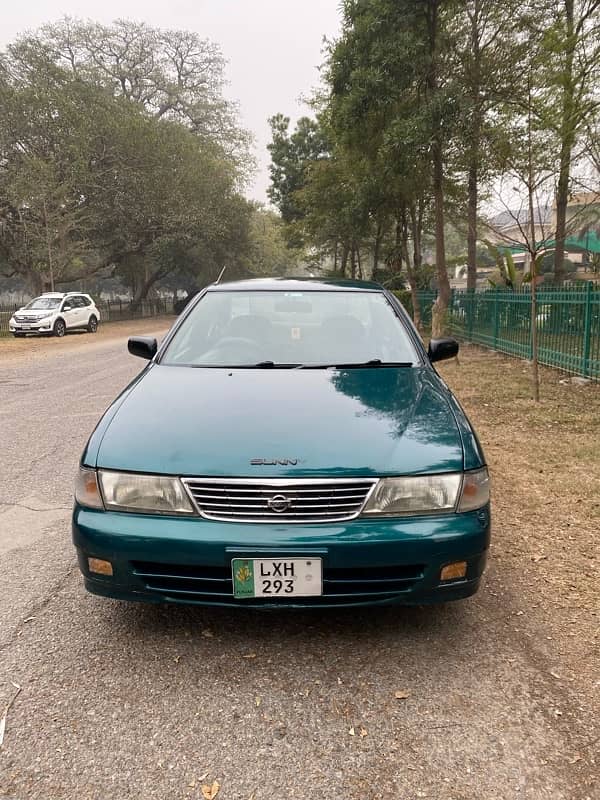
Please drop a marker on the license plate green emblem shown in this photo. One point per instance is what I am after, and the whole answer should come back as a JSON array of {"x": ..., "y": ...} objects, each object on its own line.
[{"x": 243, "y": 578}]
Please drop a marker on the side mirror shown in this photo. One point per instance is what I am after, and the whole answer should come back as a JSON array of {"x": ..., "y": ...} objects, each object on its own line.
[
  {"x": 441, "y": 349},
  {"x": 142, "y": 346},
  {"x": 67, "y": 308}
]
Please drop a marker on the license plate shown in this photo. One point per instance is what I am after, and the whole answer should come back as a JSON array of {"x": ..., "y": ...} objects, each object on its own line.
[
  {"x": 274, "y": 577},
  {"x": 25, "y": 327}
]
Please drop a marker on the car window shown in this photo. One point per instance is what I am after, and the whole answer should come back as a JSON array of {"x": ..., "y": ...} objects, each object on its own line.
[
  {"x": 44, "y": 303},
  {"x": 85, "y": 301},
  {"x": 308, "y": 328}
]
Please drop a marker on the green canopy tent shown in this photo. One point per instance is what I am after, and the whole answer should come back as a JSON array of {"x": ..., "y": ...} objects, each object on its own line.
[{"x": 588, "y": 243}]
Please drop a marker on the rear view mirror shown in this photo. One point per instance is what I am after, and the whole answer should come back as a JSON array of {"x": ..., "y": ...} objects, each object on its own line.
[
  {"x": 142, "y": 346},
  {"x": 441, "y": 349},
  {"x": 294, "y": 306},
  {"x": 66, "y": 308}
]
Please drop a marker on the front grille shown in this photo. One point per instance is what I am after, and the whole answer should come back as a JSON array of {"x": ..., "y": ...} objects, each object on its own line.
[
  {"x": 279, "y": 500},
  {"x": 189, "y": 583}
]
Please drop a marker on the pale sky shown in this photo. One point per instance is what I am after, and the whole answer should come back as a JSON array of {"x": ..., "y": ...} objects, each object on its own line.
[{"x": 273, "y": 47}]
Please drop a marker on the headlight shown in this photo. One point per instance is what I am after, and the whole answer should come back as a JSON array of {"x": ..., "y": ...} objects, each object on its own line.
[
  {"x": 421, "y": 494},
  {"x": 87, "y": 492},
  {"x": 429, "y": 494},
  {"x": 39, "y": 319},
  {"x": 149, "y": 494}
]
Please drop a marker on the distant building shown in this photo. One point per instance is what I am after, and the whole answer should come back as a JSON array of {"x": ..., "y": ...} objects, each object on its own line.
[{"x": 512, "y": 228}]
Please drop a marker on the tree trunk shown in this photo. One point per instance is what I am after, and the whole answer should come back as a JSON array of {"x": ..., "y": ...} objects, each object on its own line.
[
  {"x": 359, "y": 263},
  {"x": 353, "y": 261},
  {"x": 377, "y": 249},
  {"x": 567, "y": 140},
  {"x": 474, "y": 146},
  {"x": 440, "y": 307},
  {"x": 48, "y": 247},
  {"x": 143, "y": 287},
  {"x": 473, "y": 192},
  {"x": 335, "y": 256},
  {"x": 416, "y": 217},
  {"x": 416, "y": 225},
  {"x": 397, "y": 261},
  {"x": 345, "y": 251},
  {"x": 533, "y": 247},
  {"x": 35, "y": 281}
]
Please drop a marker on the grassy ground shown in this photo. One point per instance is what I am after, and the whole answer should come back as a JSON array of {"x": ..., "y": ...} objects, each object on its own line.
[{"x": 545, "y": 466}]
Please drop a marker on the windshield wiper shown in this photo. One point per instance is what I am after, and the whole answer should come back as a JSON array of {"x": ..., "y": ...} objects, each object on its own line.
[
  {"x": 260, "y": 365},
  {"x": 374, "y": 362},
  {"x": 275, "y": 365}
]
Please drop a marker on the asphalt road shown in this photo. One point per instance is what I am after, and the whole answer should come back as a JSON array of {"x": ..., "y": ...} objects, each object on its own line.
[{"x": 127, "y": 701}]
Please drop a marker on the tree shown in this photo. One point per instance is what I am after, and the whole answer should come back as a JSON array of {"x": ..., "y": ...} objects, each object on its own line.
[
  {"x": 268, "y": 252},
  {"x": 570, "y": 55},
  {"x": 526, "y": 155},
  {"x": 388, "y": 106},
  {"x": 171, "y": 74},
  {"x": 291, "y": 156},
  {"x": 486, "y": 72},
  {"x": 90, "y": 182},
  {"x": 47, "y": 157}
]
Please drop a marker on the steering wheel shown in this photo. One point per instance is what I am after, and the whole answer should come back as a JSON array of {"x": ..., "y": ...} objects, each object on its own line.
[{"x": 247, "y": 346}]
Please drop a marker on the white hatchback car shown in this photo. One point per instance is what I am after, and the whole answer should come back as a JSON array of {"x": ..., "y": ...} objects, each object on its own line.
[{"x": 56, "y": 313}]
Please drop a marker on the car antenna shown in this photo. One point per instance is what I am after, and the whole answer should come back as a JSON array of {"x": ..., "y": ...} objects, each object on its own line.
[{"x": 220, "y": 276}]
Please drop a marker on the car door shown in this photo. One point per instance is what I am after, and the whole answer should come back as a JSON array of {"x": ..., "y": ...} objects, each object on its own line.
[
  {"x": 88, "y": 309},
  {"x": 82, "y": 311},
  {"x": 71, "y": 310}
]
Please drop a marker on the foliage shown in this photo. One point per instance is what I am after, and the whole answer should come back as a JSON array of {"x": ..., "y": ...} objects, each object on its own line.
[
  {"x": 93, "y": 183},
  {"x": 269, "y": 253},
  {"x": 508, "y": 274},
  {"x": 171, "y": 74},
  {"x": 291, "y": 156}
]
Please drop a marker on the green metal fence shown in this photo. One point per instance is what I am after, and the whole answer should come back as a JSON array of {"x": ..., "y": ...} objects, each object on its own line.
[{"x": 568, "y": 323}]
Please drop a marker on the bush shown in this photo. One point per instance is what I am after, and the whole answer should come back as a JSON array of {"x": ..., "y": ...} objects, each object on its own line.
[{"x": 548, "y": 265}]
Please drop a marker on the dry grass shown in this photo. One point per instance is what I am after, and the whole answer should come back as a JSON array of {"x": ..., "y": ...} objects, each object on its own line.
[{"x": 545, "y": 465}]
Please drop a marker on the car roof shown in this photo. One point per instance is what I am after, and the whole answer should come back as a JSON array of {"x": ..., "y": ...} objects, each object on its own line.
[
  {"x": 61, "y": 294},
  {"x": 297, "y": 285}
]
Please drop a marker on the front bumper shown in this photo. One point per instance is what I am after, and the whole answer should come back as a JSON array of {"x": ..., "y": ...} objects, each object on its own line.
[
  {"x": 41, "y": 326},
  {"x": 365, "y": 562}
]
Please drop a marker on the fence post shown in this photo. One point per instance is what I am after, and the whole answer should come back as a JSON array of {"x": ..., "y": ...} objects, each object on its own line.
[
  {"x": 587, "y": 331},
  {"x": 496, "y": 318}
]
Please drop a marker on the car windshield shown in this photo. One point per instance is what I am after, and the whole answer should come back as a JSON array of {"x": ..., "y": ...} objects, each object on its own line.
[
  {"x": 279, "y": 328},
  {"x": 44, "y": 303}
]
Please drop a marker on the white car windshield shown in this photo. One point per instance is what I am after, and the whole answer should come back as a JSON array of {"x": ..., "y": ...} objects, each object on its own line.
[
  {"x": 43, "y": 303},
  {"x": 295, "y": 328}
]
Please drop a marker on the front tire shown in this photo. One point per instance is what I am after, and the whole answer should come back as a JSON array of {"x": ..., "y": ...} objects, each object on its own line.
[
  {"x": 92, "y": 324},
  {"x": 60, "y": 328}
]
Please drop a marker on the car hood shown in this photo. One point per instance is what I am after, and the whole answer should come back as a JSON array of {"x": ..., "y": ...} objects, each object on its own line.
[{"x": 215, "y": 422}]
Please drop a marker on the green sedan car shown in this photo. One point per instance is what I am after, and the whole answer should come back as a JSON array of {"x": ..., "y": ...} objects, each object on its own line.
[{"x": 289, "y": 444}]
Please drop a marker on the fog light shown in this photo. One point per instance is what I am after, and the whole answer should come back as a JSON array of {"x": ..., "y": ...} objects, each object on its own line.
[
  {"x": 99, "y": 566},
  {"x": 452, "y": 572}
]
